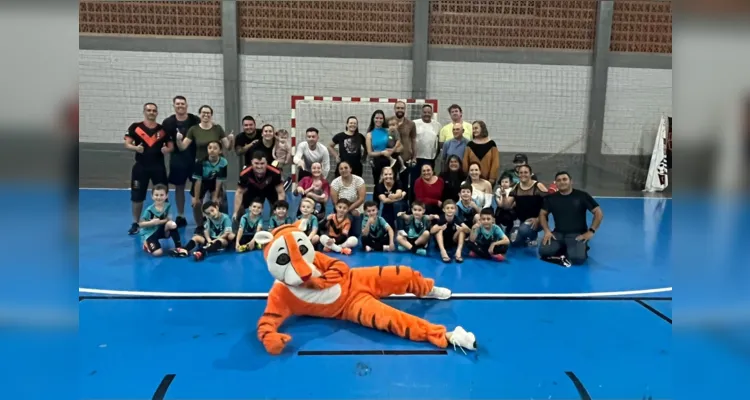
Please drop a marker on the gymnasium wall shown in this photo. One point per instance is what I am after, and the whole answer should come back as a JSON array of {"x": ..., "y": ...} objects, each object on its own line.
[{"x": 534, "y": 95}]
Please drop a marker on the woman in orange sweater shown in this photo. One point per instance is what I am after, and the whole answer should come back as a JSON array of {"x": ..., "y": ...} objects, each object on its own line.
[{"x": 483, "y": 151}]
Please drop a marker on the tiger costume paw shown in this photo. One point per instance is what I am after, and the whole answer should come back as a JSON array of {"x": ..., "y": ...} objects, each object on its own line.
[{"x": 275, "y": 342}]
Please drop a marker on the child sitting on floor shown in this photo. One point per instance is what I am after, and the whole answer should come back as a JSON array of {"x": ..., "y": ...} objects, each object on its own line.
[
  {"x": 217, "y": 234},
  {"x": 307, "y": 207},
  {"x": 449, "y": 232},
  {"x": 416, "y": 233},
  {"x": 156, "y": 223},
  {"x": 250, "y": 224},
  {"x": 376, "y": 233},
  {"x": 467, "y": 209},
  {"x": 280, "y": 215},
  {"x": 338, "y": 226},
  {"x": 487, "y": 240}
]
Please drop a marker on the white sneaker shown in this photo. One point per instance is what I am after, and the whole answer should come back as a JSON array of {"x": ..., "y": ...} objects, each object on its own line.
[
  {"x": 465, "y": 340},
  {"x": 438, "y": 292}
]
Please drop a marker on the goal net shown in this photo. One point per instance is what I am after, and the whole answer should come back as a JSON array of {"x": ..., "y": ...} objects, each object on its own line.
[{"x": 329, "y": 115}]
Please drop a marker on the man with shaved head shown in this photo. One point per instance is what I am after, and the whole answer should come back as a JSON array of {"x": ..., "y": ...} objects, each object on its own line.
[{"x": 455, "y": 146}]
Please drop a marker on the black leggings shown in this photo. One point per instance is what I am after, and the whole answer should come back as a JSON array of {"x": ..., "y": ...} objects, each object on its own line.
[
  {"x": 376, "y": 243},
  {"x": 484, "y": 251}
]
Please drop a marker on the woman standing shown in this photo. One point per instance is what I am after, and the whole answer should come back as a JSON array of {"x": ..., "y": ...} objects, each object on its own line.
[
  {"x": 380, "y": 143},
  {"x": 390, "y": 194},
  {"x": 203, "y": 134},
  {"x": 429, "y": 190},
  {"x": 483, "y": 151},
  {"x": 351, "y": 147}
]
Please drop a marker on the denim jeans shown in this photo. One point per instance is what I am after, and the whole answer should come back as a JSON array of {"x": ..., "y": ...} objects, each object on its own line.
[{"x": 526, "y": 233}]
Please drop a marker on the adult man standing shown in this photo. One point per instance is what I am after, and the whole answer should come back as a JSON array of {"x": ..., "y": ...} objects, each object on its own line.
[
  {"x": 149, "y": 142},
  {"x": 457, "y": 117},
  {"x": 181, "y": 162},
  {"x": 248, "y": 138},
  {"x": 427, "y": 139},
  {"x": 568, "y": 244},
  {"x": 408, "y": 134},
  {"x": 310, "y": 152}
]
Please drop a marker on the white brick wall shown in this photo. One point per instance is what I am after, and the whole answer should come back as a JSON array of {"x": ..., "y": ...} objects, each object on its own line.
[
  {"x": 527, "y": 108},
  {"x": 114, "y": 85},
  {"x": 269, "y": 82},
  {"x": 636, "y": 100}
]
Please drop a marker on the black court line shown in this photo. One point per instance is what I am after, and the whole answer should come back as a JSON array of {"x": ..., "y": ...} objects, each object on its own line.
[
  {"x": 161, "y": 391},
  {"x": 373, "y": 353},
  {"x": 579, "y": 386},
  {"x": 653, "y": 310},
  {"x": 515, "y": 298}
]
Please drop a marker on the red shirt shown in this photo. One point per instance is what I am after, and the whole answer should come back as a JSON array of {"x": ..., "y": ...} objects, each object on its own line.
[{"x": 429, "y": 194}]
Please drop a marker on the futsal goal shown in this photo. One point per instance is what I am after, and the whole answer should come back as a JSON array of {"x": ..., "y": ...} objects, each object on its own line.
[
  {"x": 329, "y": 114},
  {"x": 657, "y": 179}
]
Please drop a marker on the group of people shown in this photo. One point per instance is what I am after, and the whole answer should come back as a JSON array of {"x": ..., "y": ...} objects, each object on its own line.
[{"x": 470, "y": 204}]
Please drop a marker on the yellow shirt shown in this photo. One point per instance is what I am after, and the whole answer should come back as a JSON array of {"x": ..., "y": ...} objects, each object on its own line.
[{"x": 446, "y": 132}]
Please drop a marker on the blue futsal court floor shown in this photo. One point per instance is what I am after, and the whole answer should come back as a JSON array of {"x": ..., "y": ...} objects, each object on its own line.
[{"x": 175, "y": 329}]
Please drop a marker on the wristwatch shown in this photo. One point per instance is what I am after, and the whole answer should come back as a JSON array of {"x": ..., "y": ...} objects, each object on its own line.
[{"x": 592, "y": 230}]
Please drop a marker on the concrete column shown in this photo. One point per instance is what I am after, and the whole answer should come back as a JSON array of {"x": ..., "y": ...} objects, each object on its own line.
[
  {"x": 420, "y": 46},
  {"x": 592, "y": 157},
  {"x": 231, "y": 61}
]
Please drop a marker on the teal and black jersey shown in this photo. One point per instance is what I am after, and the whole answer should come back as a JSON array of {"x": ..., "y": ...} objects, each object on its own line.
[
  {"x": 250, "y": 224},
  {"x": 218, "y": 227},
  {"x": 416, "y": 226},
  {"x": 205, "y": 170},
  {"x": 377, "y": 230},
  {"x": 312, "y": 223},
  {"x": 485, "y": 237},
  {"x": 274, "y": 222},
  {"x": 465, "y": 213},
  {"x": 151, "y": 212}
]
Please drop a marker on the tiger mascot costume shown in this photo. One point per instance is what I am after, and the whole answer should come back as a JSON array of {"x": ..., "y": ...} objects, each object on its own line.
[{"x": 309, "y": 283}]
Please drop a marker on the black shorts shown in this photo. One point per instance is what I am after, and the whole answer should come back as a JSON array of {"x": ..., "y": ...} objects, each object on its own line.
[
  {"x": 448, "y": 241},
  {"x": 245, "y": 239},
  {"x": 206, "y": 187},
  {"x": 140, "y": 176},
  {"x": 152, "y": 242},
  {"x": 180, "y": 171},
  {"x": 247, "y": 198}
]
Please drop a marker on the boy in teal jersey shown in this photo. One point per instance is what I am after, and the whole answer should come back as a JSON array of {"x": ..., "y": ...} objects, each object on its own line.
[
  {"x": 416, "y": 234},
  {"x": 217, "y": 234},
  {"x": 487, "y": 240},
  {"x": 209, "y": 175},
  {"x": 307, "y": 208},
  {"x": 280, "y": 215},
  {"x": 250, "y": 224},
  {"x": 156, "y": 224},
  {"x": 377, "y": 235}
]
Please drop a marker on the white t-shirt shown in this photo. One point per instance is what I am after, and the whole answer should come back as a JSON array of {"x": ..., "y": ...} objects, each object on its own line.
[
  {"x": 319, "y": 155},
  {"x": 350, "y": 192},
  {"x": 427, "y": 138}
]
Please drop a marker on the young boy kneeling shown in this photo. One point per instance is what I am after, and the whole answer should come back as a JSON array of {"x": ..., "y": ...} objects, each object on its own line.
[
  {"x": 416, "y": 234},
  {"x": 450, "y": 232},
  {"x": 217, "y": 234},
  {"x": 487, "y": 240},
  {"x": 338, "y": 226},
  {"x": 376, "y": 233},
  {"x": 156, "y": 223},
  {"x": 250, "y": 224}
]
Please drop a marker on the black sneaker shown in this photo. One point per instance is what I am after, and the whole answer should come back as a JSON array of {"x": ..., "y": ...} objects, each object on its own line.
[
  {"x": 133, "y": 229},
  {"x": 180, "y": 221}
]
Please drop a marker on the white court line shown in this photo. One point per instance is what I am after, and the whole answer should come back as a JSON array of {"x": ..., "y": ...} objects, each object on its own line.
[
  {"x": 232, "y": 191},
  {"x": 261, "y": 295}
]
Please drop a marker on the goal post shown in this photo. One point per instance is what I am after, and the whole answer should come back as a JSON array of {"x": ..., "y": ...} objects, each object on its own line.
[{"x": 329, "y": 114}]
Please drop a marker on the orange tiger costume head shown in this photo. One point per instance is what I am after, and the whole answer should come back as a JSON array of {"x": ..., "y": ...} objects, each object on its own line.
[{"x": 289, "y": 253}]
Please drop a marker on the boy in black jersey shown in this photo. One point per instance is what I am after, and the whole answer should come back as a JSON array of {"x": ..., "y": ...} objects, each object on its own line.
[
  {"x": 466, "y": 208},
  {"x": 150, "y": 143},
  {"x": 156, "y": 222},
  {"x": 450, "y": 232},
  {"x": 377, "y": 235}
]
